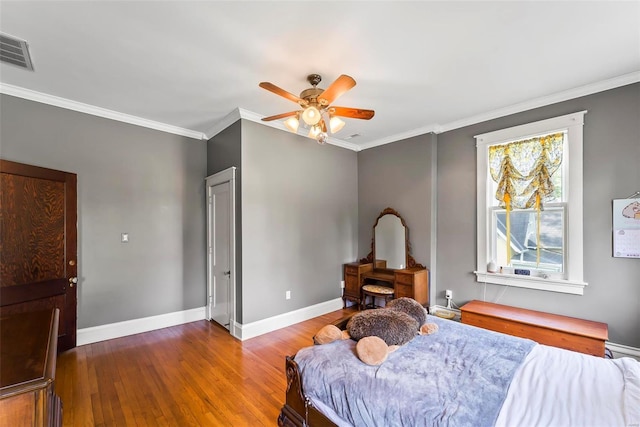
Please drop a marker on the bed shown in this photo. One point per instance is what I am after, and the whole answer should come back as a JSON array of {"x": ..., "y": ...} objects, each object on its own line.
[{"x": 461, "y": 375}]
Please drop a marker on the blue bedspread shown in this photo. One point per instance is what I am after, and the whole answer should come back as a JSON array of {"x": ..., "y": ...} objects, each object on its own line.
[{"x": 458, "y": 376}]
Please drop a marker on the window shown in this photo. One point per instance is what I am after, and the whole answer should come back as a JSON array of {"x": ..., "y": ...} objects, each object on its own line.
[
  {"x": 542, "y": 252},
  {"x": 529, "y": 206}
]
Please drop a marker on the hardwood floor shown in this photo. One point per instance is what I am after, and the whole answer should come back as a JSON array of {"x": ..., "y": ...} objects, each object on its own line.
[{"x": 193, "y": 374}]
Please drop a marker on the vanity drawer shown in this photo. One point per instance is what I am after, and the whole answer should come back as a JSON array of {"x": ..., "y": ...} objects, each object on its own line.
[
  {"x": 413, "y": 283},
  {"x": 405, "y": 279},
  {"x": 403, "y": 290},
  {"x": 351, "y": 284},
  {"x": 350, "y": 269}
]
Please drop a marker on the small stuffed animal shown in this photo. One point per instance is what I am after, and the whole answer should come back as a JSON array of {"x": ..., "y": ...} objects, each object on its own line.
[
  {"x": 330, "y": 333},
  {"x": 381, "y": 331}
]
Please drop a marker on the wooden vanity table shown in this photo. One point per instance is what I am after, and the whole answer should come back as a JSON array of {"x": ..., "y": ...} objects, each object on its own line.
[{"x": 393, "y": 267}]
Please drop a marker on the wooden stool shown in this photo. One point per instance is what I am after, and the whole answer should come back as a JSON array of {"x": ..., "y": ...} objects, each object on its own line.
[{"x": 375, "y": 291}]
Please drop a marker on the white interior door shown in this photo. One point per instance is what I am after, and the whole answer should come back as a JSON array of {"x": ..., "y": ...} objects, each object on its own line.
[{"x": 220, "y": 295}]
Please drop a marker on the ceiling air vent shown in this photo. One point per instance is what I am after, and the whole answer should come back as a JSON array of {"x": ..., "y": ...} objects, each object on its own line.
[{"x": 15, "y": 51}]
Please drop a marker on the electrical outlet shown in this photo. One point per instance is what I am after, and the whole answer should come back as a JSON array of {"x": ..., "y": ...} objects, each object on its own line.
[
  {"x": 287, "y": 295},
  {"x": 448, "y": 294},
  {"x": 342, "y": 284}
]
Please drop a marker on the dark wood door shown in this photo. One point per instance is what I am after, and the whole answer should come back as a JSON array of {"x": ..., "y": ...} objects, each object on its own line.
[{"x": 38, "y": 247}]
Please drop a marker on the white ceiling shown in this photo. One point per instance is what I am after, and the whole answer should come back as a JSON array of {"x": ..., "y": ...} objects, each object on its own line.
[{"x": 422, "y": 65}]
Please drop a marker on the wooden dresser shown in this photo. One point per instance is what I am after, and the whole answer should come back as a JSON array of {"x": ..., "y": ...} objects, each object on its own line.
[
  {"x": 410, "y": 282},
  {"x": 579, "y": 335},
  {"x": 28, "y": 350},
  {"x": 352, "y": 273}
]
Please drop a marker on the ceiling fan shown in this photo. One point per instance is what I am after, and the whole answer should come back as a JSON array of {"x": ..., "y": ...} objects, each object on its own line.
[{"x": 316, "y": 106}]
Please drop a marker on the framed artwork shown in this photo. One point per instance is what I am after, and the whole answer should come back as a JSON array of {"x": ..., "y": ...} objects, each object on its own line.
[{"x": 626, "y": 228}]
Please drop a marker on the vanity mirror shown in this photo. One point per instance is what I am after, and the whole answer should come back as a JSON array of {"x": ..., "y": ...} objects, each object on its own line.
[{"x": 390, "y": 243}]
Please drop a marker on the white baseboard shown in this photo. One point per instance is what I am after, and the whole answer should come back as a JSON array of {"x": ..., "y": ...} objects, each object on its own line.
[
  {"x": 253, "y": 329},
  {"x": 136, "y": 326},
  {"x": 250, "y": 330},
  {"x": 624, "y": 350}
]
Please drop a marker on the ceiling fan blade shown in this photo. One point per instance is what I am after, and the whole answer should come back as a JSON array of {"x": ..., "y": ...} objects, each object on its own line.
[
  {"x": 354, "y": 113},
  {"x": 337, "y": 88},
  {"x": 279, "y": 91},
  {"x": 280, "y": 116}
]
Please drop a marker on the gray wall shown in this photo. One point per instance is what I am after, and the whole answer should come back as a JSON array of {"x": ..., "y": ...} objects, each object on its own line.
[
  {"x": 399, "y": 176},
  {"x": 131, "y": 179},
  {"x": 611, "y": 171},
  {"x": 223, "y": 152},
  {"x": 299, "y": 220},
  {"x": 307, "y": 209}
]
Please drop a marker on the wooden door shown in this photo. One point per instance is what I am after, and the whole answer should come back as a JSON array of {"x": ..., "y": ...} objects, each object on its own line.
[{"x": 38, "y": 248}]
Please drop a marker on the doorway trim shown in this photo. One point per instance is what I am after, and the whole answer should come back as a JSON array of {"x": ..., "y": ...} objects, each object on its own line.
[{"x": 227, "y": 175}]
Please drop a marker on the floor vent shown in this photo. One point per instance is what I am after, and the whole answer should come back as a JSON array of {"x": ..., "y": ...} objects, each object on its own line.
[{"x": 15, "y": 51}]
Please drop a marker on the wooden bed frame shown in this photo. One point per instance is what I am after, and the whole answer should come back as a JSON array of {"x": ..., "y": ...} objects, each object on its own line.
[{"x": 298, "y": 411}]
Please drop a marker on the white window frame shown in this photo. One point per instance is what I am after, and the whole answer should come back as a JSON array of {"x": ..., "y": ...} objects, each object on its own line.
[{"x": 573, "y": 282}]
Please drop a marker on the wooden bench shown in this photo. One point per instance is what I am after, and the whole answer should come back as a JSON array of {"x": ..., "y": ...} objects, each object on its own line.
[{"x": 579, "y": 335}]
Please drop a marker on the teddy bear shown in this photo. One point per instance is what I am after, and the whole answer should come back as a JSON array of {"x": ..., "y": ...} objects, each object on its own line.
[{"x": 381, "y": 331}]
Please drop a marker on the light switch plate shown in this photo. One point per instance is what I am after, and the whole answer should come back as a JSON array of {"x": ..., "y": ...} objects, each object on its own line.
[{"x": 124, "y": 238}]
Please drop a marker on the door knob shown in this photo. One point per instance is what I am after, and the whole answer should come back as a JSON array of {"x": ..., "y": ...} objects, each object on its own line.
[
  {"x": 227, "y": 273},
  {"x": 73, "y": 281}
]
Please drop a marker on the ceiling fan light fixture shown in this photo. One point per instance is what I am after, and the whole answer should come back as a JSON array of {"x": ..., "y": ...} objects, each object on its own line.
[
  {"x": 316, "y": 112},
  {"x": 311, "y": 116},
  {"x": 314, "y": 131},
  {"x": 322, "y": 138},
  {"x": 292, "y": 124},
  {"x": 336, "y": 124}
]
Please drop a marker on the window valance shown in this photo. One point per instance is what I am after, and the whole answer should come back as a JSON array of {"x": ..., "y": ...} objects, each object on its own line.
[{"x": 523, "y": 170}]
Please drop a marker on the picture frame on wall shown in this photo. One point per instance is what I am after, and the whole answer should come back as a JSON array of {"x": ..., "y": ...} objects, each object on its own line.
[{"x": 626, "y": 228}]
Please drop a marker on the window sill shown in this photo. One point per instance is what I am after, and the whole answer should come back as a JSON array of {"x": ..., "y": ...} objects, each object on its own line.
[{"x": 516, "y": 280}]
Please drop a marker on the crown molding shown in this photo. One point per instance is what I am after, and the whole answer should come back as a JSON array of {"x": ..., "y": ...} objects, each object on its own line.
[
  {"x": 566, "y": 95},
  {"x": 625, "y": 79},
  {"x": 241, "y": 113},
  {"x": 433, "y": 128},
  {"x": 343, "y": 144},
  {"x": 68, "y": 104},
  {"x": 221, "y": 125}
]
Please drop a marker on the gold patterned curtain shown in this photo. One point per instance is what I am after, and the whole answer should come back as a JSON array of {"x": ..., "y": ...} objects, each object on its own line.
[{"x": 523, "y": 170}]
